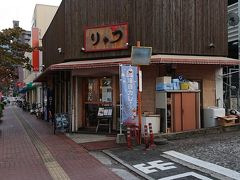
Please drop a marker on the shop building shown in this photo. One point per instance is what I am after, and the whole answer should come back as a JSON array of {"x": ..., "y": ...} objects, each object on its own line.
[{"x": 87, "y": 41}]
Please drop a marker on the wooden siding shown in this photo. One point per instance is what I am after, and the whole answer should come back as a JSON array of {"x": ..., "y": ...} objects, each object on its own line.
[
  {"x": 169, "y": 26},
  {"x": 54, "y": 38},
  {"x": 206, "y": 74}
]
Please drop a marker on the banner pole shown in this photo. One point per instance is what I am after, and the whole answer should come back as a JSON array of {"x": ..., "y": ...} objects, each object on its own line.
[
  {"x": 120, "y": 122},
  {"x": 121, "y": 139},
  {"x": 139, "y": 101}
]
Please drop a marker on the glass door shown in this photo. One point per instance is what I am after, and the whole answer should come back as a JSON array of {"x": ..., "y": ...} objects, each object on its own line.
[{"x": 99, "y": 93}]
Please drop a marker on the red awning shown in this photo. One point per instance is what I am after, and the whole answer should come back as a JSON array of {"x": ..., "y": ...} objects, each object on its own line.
[
  {"x": 162, "y": 59},
  {"x": 155, "y": 59},
  {"x": 90, "y": 64},
  {"x": 181, "y": 59}
]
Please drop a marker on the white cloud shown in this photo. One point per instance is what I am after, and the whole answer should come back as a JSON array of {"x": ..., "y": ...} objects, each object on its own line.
[{"x": 20, "y": 10}]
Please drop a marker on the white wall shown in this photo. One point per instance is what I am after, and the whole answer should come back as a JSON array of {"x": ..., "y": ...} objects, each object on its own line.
[
  {"x": 219, "y": 87},
  {"x": 42, "y": 17}
]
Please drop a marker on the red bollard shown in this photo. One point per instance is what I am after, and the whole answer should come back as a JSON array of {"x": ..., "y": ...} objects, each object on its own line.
[
  {"x": 146, "y": 136},
  {"x": 129, "y": 143},
  {"x": 151, "y": 134},
  {"x": 137, "y": 134}
]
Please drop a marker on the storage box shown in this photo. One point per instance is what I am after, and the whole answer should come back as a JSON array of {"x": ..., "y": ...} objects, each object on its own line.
[
  {"x": 184, "y": 85},
  {"x": 227, "y": 120},
  {"x": 211, "y": 114},
  {"x": 176, "y": 84},
  {"x": 154, "y": 120},
  {"x": 193, "y": 86},
  {"x": 164, "y": 79},
  {"x": 164, "y": 86}
]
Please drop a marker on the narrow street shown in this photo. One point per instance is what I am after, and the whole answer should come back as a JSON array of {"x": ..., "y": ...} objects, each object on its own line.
[
  {"x": 29, "y": 150},
  {"x": 113, "y": 90}
]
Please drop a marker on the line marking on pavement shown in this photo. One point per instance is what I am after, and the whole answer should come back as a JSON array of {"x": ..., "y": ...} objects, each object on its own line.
[
  {"x": 154, "y": 165},
  {"x": 107, "y": 152},
  {"x": 187, "y": 174},
  {"x": 53, "y": 167},
  {"x": 210, "y": 166}
]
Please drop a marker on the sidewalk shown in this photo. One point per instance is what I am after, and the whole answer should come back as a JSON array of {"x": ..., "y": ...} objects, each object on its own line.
[{"x": 29, "y": 150}]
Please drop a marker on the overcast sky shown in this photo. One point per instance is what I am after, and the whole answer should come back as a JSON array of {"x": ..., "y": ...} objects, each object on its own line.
[{"x": 21, "y": 10}]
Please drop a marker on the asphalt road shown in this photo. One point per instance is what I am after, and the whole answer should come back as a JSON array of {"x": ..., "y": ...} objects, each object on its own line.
[{"x": 221, "y": 150}]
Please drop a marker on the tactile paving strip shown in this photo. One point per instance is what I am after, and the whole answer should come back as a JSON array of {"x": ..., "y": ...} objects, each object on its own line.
[{"x": 53, "y": 167}]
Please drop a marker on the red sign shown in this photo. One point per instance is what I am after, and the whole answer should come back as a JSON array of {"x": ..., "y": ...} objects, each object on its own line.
[
  {"x": 105, "y": 38},
  {"x": 35, "y": 46},
  {"x": 20, "y": 84}
]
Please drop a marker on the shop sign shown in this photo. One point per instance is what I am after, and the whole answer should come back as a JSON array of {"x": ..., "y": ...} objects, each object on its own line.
[
  {"x": 20, "y": 84},
  {"x": 105, "y": 38},
  {"x": 141, "y": 55},
  {"x": 35, "y": 46},
  {"x": 61, "y": 122},
  {"x": 129, "y": 90}
]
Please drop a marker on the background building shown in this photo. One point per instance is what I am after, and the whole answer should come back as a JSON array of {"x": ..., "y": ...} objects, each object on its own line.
[
  {"x": 42, "y": 17},
  {"x": 25, "y": 39},
  {"x": 231, "y": 77}
]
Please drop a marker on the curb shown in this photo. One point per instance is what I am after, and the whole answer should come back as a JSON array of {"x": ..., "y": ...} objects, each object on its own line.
[
  {"x": 195, "y": 167},
  {"x": 199, "y": 132},
  {"x": 141, "y": 174}
]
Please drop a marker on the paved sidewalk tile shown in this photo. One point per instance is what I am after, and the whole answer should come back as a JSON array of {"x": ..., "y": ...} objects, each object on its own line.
[
  {"x": 18, "y": 157},
  {"x": 73, "y": 158}
]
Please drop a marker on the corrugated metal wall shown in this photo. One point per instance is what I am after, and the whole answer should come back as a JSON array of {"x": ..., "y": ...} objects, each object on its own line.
[{"x": 233, "y": 30}]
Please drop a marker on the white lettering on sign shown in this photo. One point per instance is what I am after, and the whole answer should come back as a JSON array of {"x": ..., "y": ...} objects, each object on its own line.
[
  {"x": 153, "y": 166},
  {"x": 187, "y": 174}
]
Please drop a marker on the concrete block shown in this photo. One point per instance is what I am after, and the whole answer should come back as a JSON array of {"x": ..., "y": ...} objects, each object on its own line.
[{"x": 121, "y": 139}]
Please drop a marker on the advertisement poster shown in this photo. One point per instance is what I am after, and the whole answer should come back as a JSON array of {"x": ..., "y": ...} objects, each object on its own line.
[
  {"x": 129, "y": 91},
  {"x": 106, "y": 90},
  {"x": 107, "y": 94}
]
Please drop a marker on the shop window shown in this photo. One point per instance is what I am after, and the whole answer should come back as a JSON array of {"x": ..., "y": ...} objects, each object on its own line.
[
  {"x": 106, "y": 90},
  {"x": 93, "y": 90},
  {"x": 99, "y": 90}
]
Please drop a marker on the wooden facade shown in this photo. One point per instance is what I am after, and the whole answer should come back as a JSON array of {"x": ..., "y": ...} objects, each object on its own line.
[
  {"x": 169, "y": 26},
  {"x": 54, "y": 38}
]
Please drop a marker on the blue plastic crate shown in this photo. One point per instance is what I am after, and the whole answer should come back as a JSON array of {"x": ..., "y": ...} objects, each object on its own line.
[{"x": 164, "y": 86}]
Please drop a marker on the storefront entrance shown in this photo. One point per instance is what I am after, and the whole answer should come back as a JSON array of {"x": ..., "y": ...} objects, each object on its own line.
[{"x": 98, "y": 94}]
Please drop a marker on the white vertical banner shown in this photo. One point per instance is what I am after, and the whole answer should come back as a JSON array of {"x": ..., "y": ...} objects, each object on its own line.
[
  {"x": 140, "y": 80},
  {"x": 129, "y": 91}
]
